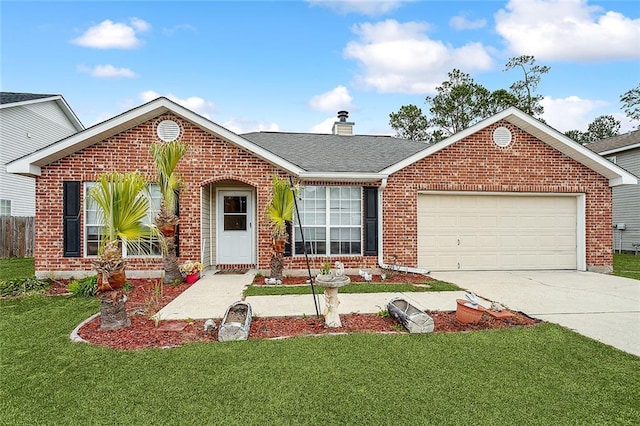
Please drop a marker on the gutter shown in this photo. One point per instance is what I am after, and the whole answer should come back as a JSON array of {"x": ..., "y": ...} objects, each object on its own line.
[{"x": 381, "y": 263}]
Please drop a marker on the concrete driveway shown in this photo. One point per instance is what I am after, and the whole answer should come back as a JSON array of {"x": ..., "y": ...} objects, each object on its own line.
[{"x": 603, "y": 307}]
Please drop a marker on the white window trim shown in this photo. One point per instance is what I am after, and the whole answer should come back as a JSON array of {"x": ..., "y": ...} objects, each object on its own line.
[
  {"x": 4, "y": 203},
  {"x": 328, "y": 226},
  {"x": 86, "y": 187}
]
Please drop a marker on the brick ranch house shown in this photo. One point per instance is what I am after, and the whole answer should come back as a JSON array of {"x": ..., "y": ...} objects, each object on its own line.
[{"x": 507, "y": 193}]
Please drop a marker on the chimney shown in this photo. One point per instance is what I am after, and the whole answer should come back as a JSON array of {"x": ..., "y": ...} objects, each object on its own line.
[{"x": 342, "y": 126}]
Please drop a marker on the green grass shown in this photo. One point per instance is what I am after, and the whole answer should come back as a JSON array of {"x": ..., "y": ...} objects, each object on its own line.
[
  {"x": 258, "y": 290},
  {"x": 16, "y": 267},
  {"x": 626, "y": 265},
  {"x": 540, "y": 375}
]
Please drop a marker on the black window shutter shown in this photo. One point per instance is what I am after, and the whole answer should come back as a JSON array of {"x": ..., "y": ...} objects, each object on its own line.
[
  {"x": 287, "y": 246},
  {"x": 370, "y": 221},
  {"x": 71, "y": 218}
]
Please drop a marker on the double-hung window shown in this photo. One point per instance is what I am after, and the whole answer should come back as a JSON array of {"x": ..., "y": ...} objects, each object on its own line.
[
  {"x": 331, "y": 218},
  {"x": 93, "y": 227}
]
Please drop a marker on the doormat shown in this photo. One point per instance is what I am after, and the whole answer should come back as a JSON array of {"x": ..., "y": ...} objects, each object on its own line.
[{"x": 232, "y": 271}]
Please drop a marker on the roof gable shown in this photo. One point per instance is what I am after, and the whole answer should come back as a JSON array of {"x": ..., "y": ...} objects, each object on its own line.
[
  {"x": 32, "y": 163},
  {"x": 548, "y": 135},
  {"x": 14, "y": 100}
]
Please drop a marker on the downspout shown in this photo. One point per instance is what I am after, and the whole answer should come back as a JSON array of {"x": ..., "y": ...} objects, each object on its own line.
[{"x": 381, "y": 263}]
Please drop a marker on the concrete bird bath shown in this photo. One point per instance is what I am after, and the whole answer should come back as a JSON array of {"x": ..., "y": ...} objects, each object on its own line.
[{"x": 331, "y": 283}]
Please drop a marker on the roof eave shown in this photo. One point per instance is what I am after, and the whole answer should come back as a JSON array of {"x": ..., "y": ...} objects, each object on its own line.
[
  {"x": 341, "y": 176},
  {"x": 620, "y": 149},
  {"x": 615, "y": 174}
]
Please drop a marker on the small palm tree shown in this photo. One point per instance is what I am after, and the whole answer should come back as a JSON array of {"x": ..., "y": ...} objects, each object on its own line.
[
  {"x": 166, "y": 157},
  {"x": 279, "y": 212},
  {"x": 123, "y": 208}
]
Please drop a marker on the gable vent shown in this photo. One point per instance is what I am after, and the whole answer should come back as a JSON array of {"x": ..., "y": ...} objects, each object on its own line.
[
  {"x": 168, "y": 130},
  {"x": 502, "y": 137}
]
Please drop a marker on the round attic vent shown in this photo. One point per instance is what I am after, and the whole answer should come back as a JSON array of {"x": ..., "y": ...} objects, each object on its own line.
[
  {"x": 502, "y": 137},
  {"x": 168, "y": 130}
]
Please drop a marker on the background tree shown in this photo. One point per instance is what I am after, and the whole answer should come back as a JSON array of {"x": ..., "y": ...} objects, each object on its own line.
[
  {"x": 122, "y": 209},
  {"x": 604, "y": 126},
  {"x": 524, "y": 90},
  {"x": 631, "y": 103},
  {"x": 166, "y": 157},
  {"x": 279, "y": 212},
  {"x": 410, "y": 123}
]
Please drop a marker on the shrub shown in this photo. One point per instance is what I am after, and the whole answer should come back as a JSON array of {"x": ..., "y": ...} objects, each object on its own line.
[
  {"x": 20, "y": 286},
  {"x": 85, "y": 287}
]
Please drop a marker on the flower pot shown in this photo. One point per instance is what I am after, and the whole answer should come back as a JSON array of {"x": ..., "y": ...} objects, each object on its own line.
[
  {"x": 468, "y": 314},
  {"x": 192, "y": 278}
]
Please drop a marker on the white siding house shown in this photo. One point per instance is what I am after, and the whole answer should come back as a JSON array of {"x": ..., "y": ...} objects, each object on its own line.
[
  {"x": 28, "y": 122},
  {"x": 624, "y": 150}
]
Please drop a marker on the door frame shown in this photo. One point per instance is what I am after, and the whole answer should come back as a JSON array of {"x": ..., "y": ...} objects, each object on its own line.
[{"x": 251, "y": 217}]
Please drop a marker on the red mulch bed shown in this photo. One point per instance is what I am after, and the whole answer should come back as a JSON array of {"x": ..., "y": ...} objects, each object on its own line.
[
  {"x": 143, "y": 301},
  {"x": 397, "y": 277}
]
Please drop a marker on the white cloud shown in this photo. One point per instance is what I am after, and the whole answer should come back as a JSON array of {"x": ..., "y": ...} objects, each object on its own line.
[
  {"x": 246, "y": 125},
  {"x": 182, "y": 27},
  {"x": 324, "y": 127},
  {"x": 107, "y": 71},
  {"x": 400, "y": 57},
  {"x": 364, "y": 7},
  {"x": 570, "y": 113},
  {"x": 461, "y": 22},
  {"x": 567, "y": 30},
  {"x": 113, "y": 35},
  {"x": 332, "y": 101},
  {"x": 194, "y": 103}
]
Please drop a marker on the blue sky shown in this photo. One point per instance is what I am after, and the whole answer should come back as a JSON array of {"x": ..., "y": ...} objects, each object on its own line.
[{"x": 291, "y": 65}]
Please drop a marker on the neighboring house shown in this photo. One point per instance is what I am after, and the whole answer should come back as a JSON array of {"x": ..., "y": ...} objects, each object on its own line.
[
  {"x": 507, "y": 193},
  {"x": 624, "y": 150},
  {"x": 28, "y": 122}
]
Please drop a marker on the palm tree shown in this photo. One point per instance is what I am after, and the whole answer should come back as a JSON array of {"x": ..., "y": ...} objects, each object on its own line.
[
  {"x": 166, "y": 157},
  {"x": 122, "y": 211},
  {"x": 279, "y": 211}
]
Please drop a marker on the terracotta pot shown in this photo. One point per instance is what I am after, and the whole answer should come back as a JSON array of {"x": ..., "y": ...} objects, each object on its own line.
[
  {"x": 168, "y": 230},
  {"x": 192, "y": 278},
  {"x": 115, "y": 281},
  {"x": 468, "y": 314}
]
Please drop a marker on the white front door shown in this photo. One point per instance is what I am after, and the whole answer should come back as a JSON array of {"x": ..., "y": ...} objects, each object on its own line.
[{"x": 235, "y": 227}]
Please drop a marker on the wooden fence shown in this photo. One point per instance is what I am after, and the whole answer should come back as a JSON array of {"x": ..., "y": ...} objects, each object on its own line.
[{"x": 17, "y": 236}]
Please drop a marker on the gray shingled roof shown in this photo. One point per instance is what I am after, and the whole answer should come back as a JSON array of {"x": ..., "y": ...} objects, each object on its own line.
[
  {"x": 333, "y": 153},
  {"x": 615, "y": 142},
  {"x": 14, "y": 97}
]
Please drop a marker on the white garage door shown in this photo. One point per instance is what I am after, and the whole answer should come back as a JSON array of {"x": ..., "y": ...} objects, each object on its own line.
[{"x": 496, "y": 232}]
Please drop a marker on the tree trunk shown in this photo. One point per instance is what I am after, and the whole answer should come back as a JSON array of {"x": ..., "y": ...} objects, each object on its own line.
[
  {"x": 170, "y": 261},
  {"x": 277, "y": 265},
  {"x": 113, "y": 312}
]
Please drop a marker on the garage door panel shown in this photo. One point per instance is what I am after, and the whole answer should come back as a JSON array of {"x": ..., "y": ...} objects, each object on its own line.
[{"x": 497, "y": 232}]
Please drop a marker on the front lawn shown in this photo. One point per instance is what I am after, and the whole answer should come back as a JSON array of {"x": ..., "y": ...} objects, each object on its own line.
[
  {"x": 535, "y": 375},
  {"x": 626, "y": 265},
  {"x": 278, "y": 290},
  {"x": 16, "y": 267}
]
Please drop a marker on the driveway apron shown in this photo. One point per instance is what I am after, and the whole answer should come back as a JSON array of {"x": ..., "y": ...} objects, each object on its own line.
[{"x": 603, "y": 307}]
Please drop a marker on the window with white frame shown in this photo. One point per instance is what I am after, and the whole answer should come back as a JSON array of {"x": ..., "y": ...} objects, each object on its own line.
[
  {"x": 5, "y": 207},
  {"x": 331, "y": 218},
  {"x": 93, "y": 227}
]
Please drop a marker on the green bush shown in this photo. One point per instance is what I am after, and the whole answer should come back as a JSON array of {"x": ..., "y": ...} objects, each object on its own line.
[
  {"x": 85, "y": 287},
  {"x": 20, "y": 286}
]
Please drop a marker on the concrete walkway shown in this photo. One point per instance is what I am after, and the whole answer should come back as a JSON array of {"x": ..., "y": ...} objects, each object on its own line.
[
  {"x": 603, "y": 307},
  {"x": 212, "y": 294}
]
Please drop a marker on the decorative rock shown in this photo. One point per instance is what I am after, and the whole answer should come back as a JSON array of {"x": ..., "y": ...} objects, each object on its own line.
[
  {"x": 272, "y": 281},
  {"x": 210, "y": 325},
  {"x": 411, "y": 318},
  {"x": 236, "y": 322}
]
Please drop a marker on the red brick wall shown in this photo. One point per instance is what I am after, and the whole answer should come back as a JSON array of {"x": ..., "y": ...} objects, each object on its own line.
[
  {"x": 209, "y": 159},
  {"x": 473, "y": 164},
  {"x": 477, "y": 164}
]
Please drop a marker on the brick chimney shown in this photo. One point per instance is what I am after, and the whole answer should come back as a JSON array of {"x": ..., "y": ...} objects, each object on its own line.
[{"x": 342, "y": 126}]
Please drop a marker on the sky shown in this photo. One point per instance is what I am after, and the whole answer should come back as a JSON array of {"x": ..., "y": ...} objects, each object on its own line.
[{"x": 291, "y": 65}]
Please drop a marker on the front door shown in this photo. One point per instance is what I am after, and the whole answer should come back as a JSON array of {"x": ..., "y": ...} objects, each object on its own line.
[{"x": 235, "y": 227}]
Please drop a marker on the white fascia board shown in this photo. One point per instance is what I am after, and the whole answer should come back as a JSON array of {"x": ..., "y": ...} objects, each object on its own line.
[
  {"x": 622, "y": 148},
  {"x": 615, "y": 174},
  {"x": 130, "y": 119},
  {"x": 342, "y": 177},
  {"x": 71, "y": 115},
  {"x": 31, "y": 101}
]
